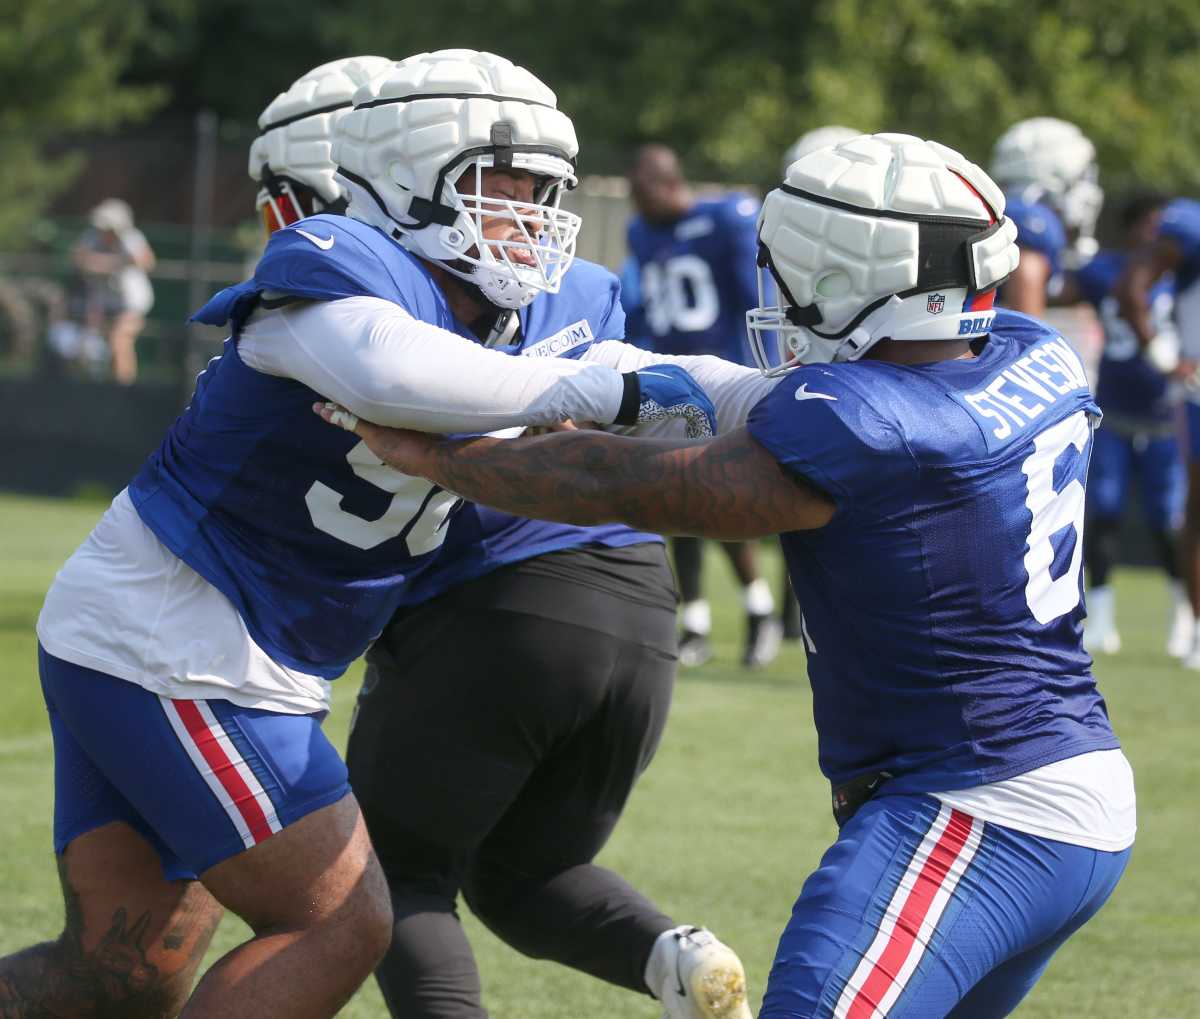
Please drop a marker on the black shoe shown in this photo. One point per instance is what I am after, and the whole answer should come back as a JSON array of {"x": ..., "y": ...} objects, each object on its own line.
[
  {"x": 694, "y": 649},
  {"x": 793, "y": 627},
  {"x": 763, "y": 634}
]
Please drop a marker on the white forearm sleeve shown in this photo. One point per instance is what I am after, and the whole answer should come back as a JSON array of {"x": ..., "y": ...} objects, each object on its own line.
[
  {"x": 733, "y": 388},
  {"x": 382, "y": 364}
]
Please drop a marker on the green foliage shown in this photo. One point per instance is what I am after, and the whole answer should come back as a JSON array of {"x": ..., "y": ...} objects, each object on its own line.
[
  {"x": 732, "y": 85},
  {"x": 60, "y": 65}
]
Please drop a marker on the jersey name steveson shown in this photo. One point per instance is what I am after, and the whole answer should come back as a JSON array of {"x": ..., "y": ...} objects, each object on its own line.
[{"x": 1021, "y": 392}]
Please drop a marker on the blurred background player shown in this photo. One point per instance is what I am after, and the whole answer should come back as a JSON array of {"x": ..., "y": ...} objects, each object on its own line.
[
  {"x": 498, "y": 767},
  {"x": 1176, "y": 250},
  {"x": 1047, "y": 169},
  {"x": 695, "y": 268},
  {"x": 113, "y": 257},
  {"x": 1137, "y": 439},
  {"x": 818, "y": 138}
]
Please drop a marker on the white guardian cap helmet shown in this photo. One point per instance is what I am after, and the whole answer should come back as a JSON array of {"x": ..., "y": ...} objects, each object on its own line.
[
  {"x": 412, "y": 154},
  {"x": 885, "y": 236},
  {"x": 292, "y": 158},
  {"x": 1051, "y": 160}
]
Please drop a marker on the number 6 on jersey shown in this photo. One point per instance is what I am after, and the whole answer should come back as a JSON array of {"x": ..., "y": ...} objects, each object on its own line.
[{"x": 1054, "y": 509}]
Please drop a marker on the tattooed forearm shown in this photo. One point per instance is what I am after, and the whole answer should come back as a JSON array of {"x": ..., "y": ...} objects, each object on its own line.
[{"x": 729, "y": 488}]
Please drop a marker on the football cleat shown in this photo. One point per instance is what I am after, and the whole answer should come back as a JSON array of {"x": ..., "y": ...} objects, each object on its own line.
[
  {"x": 694, "y": 649},
  {"x": 763, "y": 636},
  {"x": 695, "y": 976}
]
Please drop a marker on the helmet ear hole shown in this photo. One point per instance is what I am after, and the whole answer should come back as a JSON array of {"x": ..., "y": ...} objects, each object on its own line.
[{"x": 833, "y": 285}]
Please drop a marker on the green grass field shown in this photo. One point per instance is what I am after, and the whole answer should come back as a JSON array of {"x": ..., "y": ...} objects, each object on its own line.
[{"x": 724, "y": 827}]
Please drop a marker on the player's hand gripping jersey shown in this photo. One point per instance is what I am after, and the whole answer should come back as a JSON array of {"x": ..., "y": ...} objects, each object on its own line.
[
  {"x": 697, "y": 278},
  {"x": 308, "y": 537},
  {"x": 960, "y": 490}
]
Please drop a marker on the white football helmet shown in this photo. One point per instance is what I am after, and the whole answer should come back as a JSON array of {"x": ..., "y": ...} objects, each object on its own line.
[
  {"x": 818, "y": 138},
  {"x": 1051, "y": 160},
  {"x": 291, "y": 159},
  {"x": 411, "y": 156},
  {"x": 885, "y": 236}
]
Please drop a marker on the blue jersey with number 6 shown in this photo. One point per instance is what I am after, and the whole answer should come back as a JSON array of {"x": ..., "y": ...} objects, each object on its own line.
[
  {"x": 943, "y": 602},
  {"x": 696, "y": 278},
  {"x": 307, "y": 533}
]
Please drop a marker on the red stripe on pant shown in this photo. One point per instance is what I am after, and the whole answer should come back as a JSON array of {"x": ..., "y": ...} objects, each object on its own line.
[
  {"x": 212, "y": 751},
  {"x": 912, "y": 915}
]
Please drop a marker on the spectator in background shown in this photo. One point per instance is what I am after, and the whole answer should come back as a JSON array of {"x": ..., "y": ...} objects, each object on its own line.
[
  {"x": 114, "y": 257},
  {"x": 1137, "y": 438},
  {"x": 696, "y": 272}
]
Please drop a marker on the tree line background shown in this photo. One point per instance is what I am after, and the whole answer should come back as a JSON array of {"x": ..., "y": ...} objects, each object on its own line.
[{"x": 729, "y": 84}]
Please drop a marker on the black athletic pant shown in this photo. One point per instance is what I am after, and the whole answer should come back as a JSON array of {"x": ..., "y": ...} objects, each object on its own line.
[{"x": 498, "y": 734}]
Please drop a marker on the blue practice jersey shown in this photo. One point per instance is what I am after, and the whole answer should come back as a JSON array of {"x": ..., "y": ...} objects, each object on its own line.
[
  {"x": 297, "y": 523},
  {"x": 1039, "y": 229},
  {"x": 698, "y": 276},
  {"x": 943, "y": 602},
  {"x": 1128, "y": 385},
  {"x": 1181, "y": 224}
]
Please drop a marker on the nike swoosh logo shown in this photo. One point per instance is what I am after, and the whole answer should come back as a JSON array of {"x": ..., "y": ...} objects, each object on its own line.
[
  {"x": 324, "y": 243},
  {"x": 657, "y": 375},
  {"x": 802, "y": 393}
]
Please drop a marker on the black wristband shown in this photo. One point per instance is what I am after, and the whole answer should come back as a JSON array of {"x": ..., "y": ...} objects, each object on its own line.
[{"x": 631, "y": 400}]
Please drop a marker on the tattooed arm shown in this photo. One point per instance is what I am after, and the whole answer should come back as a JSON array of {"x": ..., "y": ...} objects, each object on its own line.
[{"x": 729, "y": 488}]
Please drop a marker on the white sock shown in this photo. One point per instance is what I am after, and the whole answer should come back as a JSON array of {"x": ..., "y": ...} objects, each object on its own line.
[
  {"x": 757, "y": 599},
  {"x": 1102, "y": 608},
  {"x": 696, "y": 617}
]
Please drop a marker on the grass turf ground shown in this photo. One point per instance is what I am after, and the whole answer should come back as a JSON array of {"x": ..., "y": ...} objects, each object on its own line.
[{"x": 723, "y": 828}]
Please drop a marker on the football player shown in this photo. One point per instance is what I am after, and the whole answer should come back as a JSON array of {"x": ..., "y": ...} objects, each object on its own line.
[
  {"x": 1138, "y": 439},
  {"x": 518, "y": 747},
  {"x": 1176, "y": 250},
  {"x": 695, "y": 261},
  {"x": 925, "y": 459},
  {"x": 1047, "y": 169},
  {"x": 186, "y": 648}
]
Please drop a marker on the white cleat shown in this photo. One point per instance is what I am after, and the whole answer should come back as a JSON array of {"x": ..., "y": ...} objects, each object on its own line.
[{"x": 695, "y": 976}]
